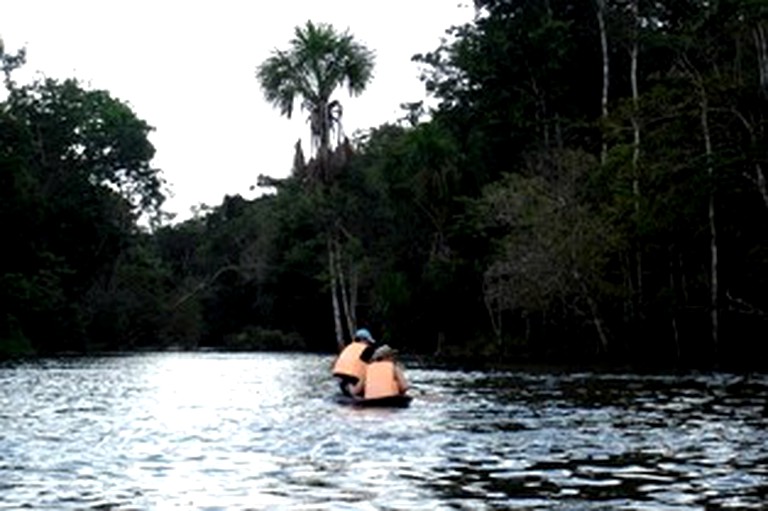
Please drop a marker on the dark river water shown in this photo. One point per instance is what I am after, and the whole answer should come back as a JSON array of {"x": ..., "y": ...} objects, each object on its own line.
[{"x": 262, "y": 432}]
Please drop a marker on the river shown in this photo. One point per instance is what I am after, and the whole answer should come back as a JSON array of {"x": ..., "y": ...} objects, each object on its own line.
[{"x": 260, "y": 431}]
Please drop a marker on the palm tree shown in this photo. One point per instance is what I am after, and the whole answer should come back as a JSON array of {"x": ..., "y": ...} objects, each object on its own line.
[{"x": 319, "y": 61}]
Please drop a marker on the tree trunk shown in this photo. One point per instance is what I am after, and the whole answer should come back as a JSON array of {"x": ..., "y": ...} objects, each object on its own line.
[
  {"x": 761, "y": 45},
  {"x": 636, "y": 142},
  {"x": 492, "y": 302},
  {"x": 353, "y": 283},
  {"x": 713, "y": 245},
  {"x": 761, "y": 183},
  {"x": 673, "y": 305},
  {"x": 714, "y": 292},
  {"x": 334, "y": 295},
  {"x": 440, "y": 342},
  {"x": 597, "y": 319},
  {"x": 346, "y": 309},
  {"x": 606, "y": 72}
]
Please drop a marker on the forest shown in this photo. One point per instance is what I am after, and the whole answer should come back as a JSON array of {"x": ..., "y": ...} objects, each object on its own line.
[{"x": 589, "y": 187}]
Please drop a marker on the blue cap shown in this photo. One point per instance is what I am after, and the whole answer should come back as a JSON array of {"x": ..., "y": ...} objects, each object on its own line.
[{"x": 364, "y": 334}]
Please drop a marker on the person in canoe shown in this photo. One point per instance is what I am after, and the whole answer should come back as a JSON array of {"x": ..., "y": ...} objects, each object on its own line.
[
  {"x": 383, "y": 378},
  {"x": 350, "y": 366}
]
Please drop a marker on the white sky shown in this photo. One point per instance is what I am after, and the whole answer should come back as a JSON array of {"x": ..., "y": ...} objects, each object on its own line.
[{"x": 188, "y": 69}]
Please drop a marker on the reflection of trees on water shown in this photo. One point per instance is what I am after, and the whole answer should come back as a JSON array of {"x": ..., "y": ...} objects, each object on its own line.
[
  {"x": 591, "y": 483},
  {"x": 676, "y": 396},
  {"x": 587, "y": 441}
]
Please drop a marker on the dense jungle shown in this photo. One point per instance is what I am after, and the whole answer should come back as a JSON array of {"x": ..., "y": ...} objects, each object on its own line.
[{"x": 588, "y": 186}]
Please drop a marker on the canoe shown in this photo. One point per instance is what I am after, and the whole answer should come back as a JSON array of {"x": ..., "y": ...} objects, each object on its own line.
[{"x": 381, "y": 402}]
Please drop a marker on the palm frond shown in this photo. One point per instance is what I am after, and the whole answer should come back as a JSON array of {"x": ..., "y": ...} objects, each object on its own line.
[{"x": 318, "y": 61}]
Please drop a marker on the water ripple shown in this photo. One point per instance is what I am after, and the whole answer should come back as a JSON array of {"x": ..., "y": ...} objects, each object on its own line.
[{"x": 261, "y": 432}]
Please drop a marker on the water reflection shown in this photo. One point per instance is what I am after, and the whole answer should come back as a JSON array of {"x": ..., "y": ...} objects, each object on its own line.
[
  {"x": 586, "y": 441},
  {"x": 260, "y": 432}
]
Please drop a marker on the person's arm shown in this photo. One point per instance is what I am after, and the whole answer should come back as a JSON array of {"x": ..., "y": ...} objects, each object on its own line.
[
  {"x": 367, "y": 353},
  {"x": 402, "y": 383},
  {"x": 358, "y": 388}
]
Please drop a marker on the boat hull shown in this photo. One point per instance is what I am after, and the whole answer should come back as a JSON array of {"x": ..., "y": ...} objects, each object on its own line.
[{"x": 382, "y": 402}]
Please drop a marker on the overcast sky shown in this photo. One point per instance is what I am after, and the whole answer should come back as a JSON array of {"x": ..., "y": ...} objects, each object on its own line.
[{"x": 188, "y": 69}]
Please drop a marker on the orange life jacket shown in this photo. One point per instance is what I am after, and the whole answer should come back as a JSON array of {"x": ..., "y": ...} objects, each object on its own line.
[
  {"x": 348, "y": 363},
  {"x": 380, "y": 380}
]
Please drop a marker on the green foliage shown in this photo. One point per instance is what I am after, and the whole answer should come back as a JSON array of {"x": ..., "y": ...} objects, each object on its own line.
[
  {"x": 260, "y": 339},
  {"x": 517, "y": 221},
  {"x": 318, "y": 61},
  {"x": 86, "y": 139},
  {"x": 75, "y": 174},
  {"x": 515, "y": 80},
  {"x": 553, "y": 246},
  {"x": 13, "y": 342}
]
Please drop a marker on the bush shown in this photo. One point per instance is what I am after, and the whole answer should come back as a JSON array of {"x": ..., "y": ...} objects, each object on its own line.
[{"x": 262, "y": 339}]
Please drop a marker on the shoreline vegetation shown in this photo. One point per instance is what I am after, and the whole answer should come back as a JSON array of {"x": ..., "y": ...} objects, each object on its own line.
[
  {"x": 589, "y": 189},
  {"x": 459, "y": 359}
]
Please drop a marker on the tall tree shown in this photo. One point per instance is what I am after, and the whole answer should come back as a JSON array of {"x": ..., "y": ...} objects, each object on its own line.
[
  {"x": 319, "y": 61},
  {"x": 78, "y": 175}
]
